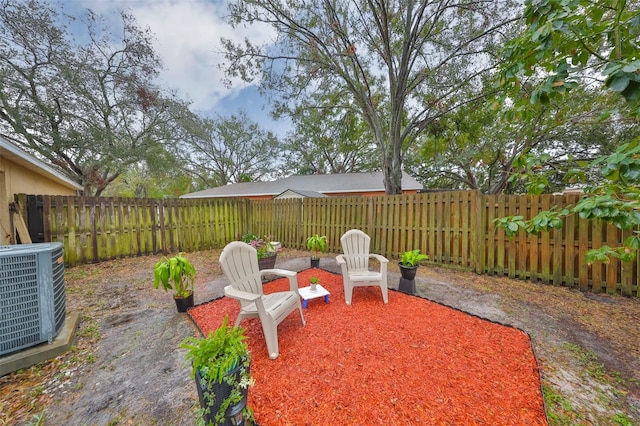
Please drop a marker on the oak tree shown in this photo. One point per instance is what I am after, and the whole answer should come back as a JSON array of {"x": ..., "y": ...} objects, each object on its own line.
[
  {"x": 401, "y": 63},
  {"x": 87, "y": 105}
]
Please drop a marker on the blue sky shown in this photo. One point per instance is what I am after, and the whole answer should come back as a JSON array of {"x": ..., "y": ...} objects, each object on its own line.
[{"x": 187, "y": 36}]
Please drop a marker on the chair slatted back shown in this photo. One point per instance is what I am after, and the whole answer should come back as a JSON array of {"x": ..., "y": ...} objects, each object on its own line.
[
  {"x": 355, "y": 245},
  {"x": 239, "y": 263}
]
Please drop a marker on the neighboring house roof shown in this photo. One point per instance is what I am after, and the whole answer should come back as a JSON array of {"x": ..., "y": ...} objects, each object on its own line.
[
  {"x": 11, "y": 152},
  {"x": 298, "y": 193},
  {"x": 344, "y": 183}
]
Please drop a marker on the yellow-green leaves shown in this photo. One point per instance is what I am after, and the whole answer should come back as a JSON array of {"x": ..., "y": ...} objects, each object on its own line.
[{"x": 175, "y": 273}]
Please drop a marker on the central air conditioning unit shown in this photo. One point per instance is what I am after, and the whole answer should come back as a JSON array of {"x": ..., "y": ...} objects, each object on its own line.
[{"x": 32, "y": 295}]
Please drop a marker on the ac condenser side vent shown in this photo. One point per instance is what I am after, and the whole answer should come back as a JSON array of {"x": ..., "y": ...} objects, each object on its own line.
[{"x": 32, "y": 295}]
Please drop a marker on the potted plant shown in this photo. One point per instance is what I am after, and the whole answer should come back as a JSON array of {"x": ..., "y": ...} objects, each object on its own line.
[
  {"x": 176, "y": 273},
  {"x": 316, "y": 243},
  {"x": 265, "y": 249},
  {"x": 221, "y": 369},
  {"x": 409, "y": 263},
  {"x": 314, "y": 282}
]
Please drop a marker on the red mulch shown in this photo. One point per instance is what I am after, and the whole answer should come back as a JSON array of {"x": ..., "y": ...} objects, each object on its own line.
[{"x": 409, "y": 362}]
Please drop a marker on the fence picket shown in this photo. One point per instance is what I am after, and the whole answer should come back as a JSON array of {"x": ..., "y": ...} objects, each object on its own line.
[
  {"x": 614, "y": 264},
  {"x": 557, "y": 250},
  {"x": 534, "y": 247}
]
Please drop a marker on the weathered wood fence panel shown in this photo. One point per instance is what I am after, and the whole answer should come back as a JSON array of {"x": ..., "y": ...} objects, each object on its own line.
[
  {"x": 455, "y": 229},
  {"x": 95, "y": 229}
]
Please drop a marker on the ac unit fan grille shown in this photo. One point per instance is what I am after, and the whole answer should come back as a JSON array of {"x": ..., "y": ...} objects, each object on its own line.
[{"x": 20, "y": 317}]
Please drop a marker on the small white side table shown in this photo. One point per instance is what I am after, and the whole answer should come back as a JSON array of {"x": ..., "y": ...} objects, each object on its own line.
[{"x": 307, "y": 294}]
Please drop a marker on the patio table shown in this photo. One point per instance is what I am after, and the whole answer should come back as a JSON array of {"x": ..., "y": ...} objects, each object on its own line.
[{"x": 307, "y": 294}]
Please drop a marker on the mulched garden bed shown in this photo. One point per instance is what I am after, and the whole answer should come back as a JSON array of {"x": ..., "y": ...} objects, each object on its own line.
[{"x": 409, "y": 362}]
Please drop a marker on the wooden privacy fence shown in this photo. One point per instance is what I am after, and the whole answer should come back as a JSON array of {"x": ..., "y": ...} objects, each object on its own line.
[
  {"x": 454, "y": 228},
  {"x": 94, "y": 229}
]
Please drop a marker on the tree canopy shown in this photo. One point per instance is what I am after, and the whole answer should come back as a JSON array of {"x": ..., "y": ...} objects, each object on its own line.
[
  {"x": 576, "y": 42},
  {"x": 582, "y": 43},
  {"x": 475, "y": 147},
  {"x": 91, "y": 109},
  {"x": 327, "y": 139},
  {"x": 402, "y": 64},
  {"x": 230, "y": 150}
]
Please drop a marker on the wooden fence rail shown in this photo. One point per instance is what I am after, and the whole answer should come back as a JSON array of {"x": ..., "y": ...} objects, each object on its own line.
[{"x": 455, "y": 229}]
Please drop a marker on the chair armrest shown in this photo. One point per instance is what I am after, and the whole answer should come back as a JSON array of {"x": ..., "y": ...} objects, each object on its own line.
[
  {"x": 340, "y": 259},
  {"x": 240, "y": 295},
  {"x": 380, "y": 258},
  {"x": 279, "y": 272},
  {"x": 293, "y": 276}
]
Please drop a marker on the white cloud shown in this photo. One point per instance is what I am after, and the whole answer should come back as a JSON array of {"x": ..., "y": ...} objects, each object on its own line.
[{"x": 188, "y": 41}]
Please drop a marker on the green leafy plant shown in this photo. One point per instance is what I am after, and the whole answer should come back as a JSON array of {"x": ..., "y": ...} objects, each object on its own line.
[
  {"x": 314, "y": 280},
  {"x": 615, "y": 200},
  {"x": 317, "y": 243},
  {"x": 263, "y": 245},
  {"x": 412, "y": 257},
  {"x": 216, "y": 355},
  {"x": 175, "y": 273}
]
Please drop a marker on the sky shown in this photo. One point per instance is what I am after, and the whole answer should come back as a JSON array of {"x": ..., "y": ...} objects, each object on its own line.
[{"x": 187, "y": 38}]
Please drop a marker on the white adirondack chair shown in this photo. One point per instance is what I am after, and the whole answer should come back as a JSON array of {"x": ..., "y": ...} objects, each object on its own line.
[
  {"x": 355, "y": 265},
  {"x": 239, "y": 263}
]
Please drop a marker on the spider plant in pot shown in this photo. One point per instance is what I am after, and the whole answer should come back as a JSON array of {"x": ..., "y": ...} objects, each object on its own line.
[
  {"x": 409, "y": 263},
  {"x": 316, "y": 243},
  {"x": 221, "y": 368},
  {"x": 176, "y": 273}
]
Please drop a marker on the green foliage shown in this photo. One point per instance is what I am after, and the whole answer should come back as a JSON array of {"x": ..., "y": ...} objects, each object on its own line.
[
  {"x": 86, "y": 102},
  {"x": 510, "y": 224},
  {"x": 535, "y": 183},
  {"x": 542, "y": 222},
  {"x": 412, "y": 258},
  {"x": 615, "y": 200},
  {"x": 623, "y": 420},
  {"x": 165, "y": 178},
  {"x": 330, "y": 137},
  {"x": 263, "y": 245},
  {"x": 216, "y": 355},
  {"x": 175, "y": 273},
  {"x": 314, "y": 280},
  {"x": 233, "y": 149},
  {"x": 476, "y": 147},
  {"x": 317, "y": 243},
  {"x": 573, "y": 40},
  {"x": 559, "y": 409}
]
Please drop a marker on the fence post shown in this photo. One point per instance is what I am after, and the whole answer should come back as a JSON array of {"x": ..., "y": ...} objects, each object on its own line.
[{"x": 479, "y": 230}]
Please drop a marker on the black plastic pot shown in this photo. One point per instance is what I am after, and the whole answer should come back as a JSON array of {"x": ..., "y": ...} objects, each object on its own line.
[
  {"x": 315, "y": 263},
  {"x": 408, "y": 272},
  {"x": 221, "y": 391},
  {"x": 268, "y": 262},
  {"x": 182, "y": 303}
]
